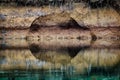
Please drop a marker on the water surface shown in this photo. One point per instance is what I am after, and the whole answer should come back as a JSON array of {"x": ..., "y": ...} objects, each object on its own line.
[{"x": 22, "y": 59}]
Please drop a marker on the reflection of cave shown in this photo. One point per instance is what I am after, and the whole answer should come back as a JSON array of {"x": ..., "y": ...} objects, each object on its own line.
[
  {"x": 71, "y": 51},
  {"x": 80, "y": 57}
]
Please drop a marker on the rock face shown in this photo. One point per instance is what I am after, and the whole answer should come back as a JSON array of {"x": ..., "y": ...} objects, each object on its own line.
[
  {"x": 82, "y": 14},
  {"x": 77, "y": 25},
  {"x": 56, "y": 26},
  {"x": 81, "y": 23},
  {"x": 10, "y": 33},
  {"x": 62, "y": 20},
  {"x": 101, "y": 17},
  {"x": 19, "y": 17}
]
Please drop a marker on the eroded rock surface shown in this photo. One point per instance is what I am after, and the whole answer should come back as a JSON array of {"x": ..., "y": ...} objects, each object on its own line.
[{"x": 101, "y": 17}]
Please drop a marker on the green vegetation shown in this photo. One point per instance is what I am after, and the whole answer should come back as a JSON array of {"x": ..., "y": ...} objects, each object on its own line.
[{"x": 92, "y": 3}]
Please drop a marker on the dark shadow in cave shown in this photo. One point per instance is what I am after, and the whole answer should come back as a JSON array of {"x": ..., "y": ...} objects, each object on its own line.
[
  {"x": 71, "y": 24},
  {"x": 34, "y": 27}
]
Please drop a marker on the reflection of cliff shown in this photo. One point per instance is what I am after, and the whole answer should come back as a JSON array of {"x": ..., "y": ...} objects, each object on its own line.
[
  {"x": 15, "y": 59},
  {"x": 98, "y": 57},
  {"x": 35, "y": 56},
  {"x": 83, "y": 60}
]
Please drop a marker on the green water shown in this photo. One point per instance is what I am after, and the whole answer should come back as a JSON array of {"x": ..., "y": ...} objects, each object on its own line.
[{"x": 44, "y": 75}]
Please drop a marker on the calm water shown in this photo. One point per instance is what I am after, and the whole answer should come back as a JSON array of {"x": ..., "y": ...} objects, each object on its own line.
[{"x": 22, "y": 59}]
